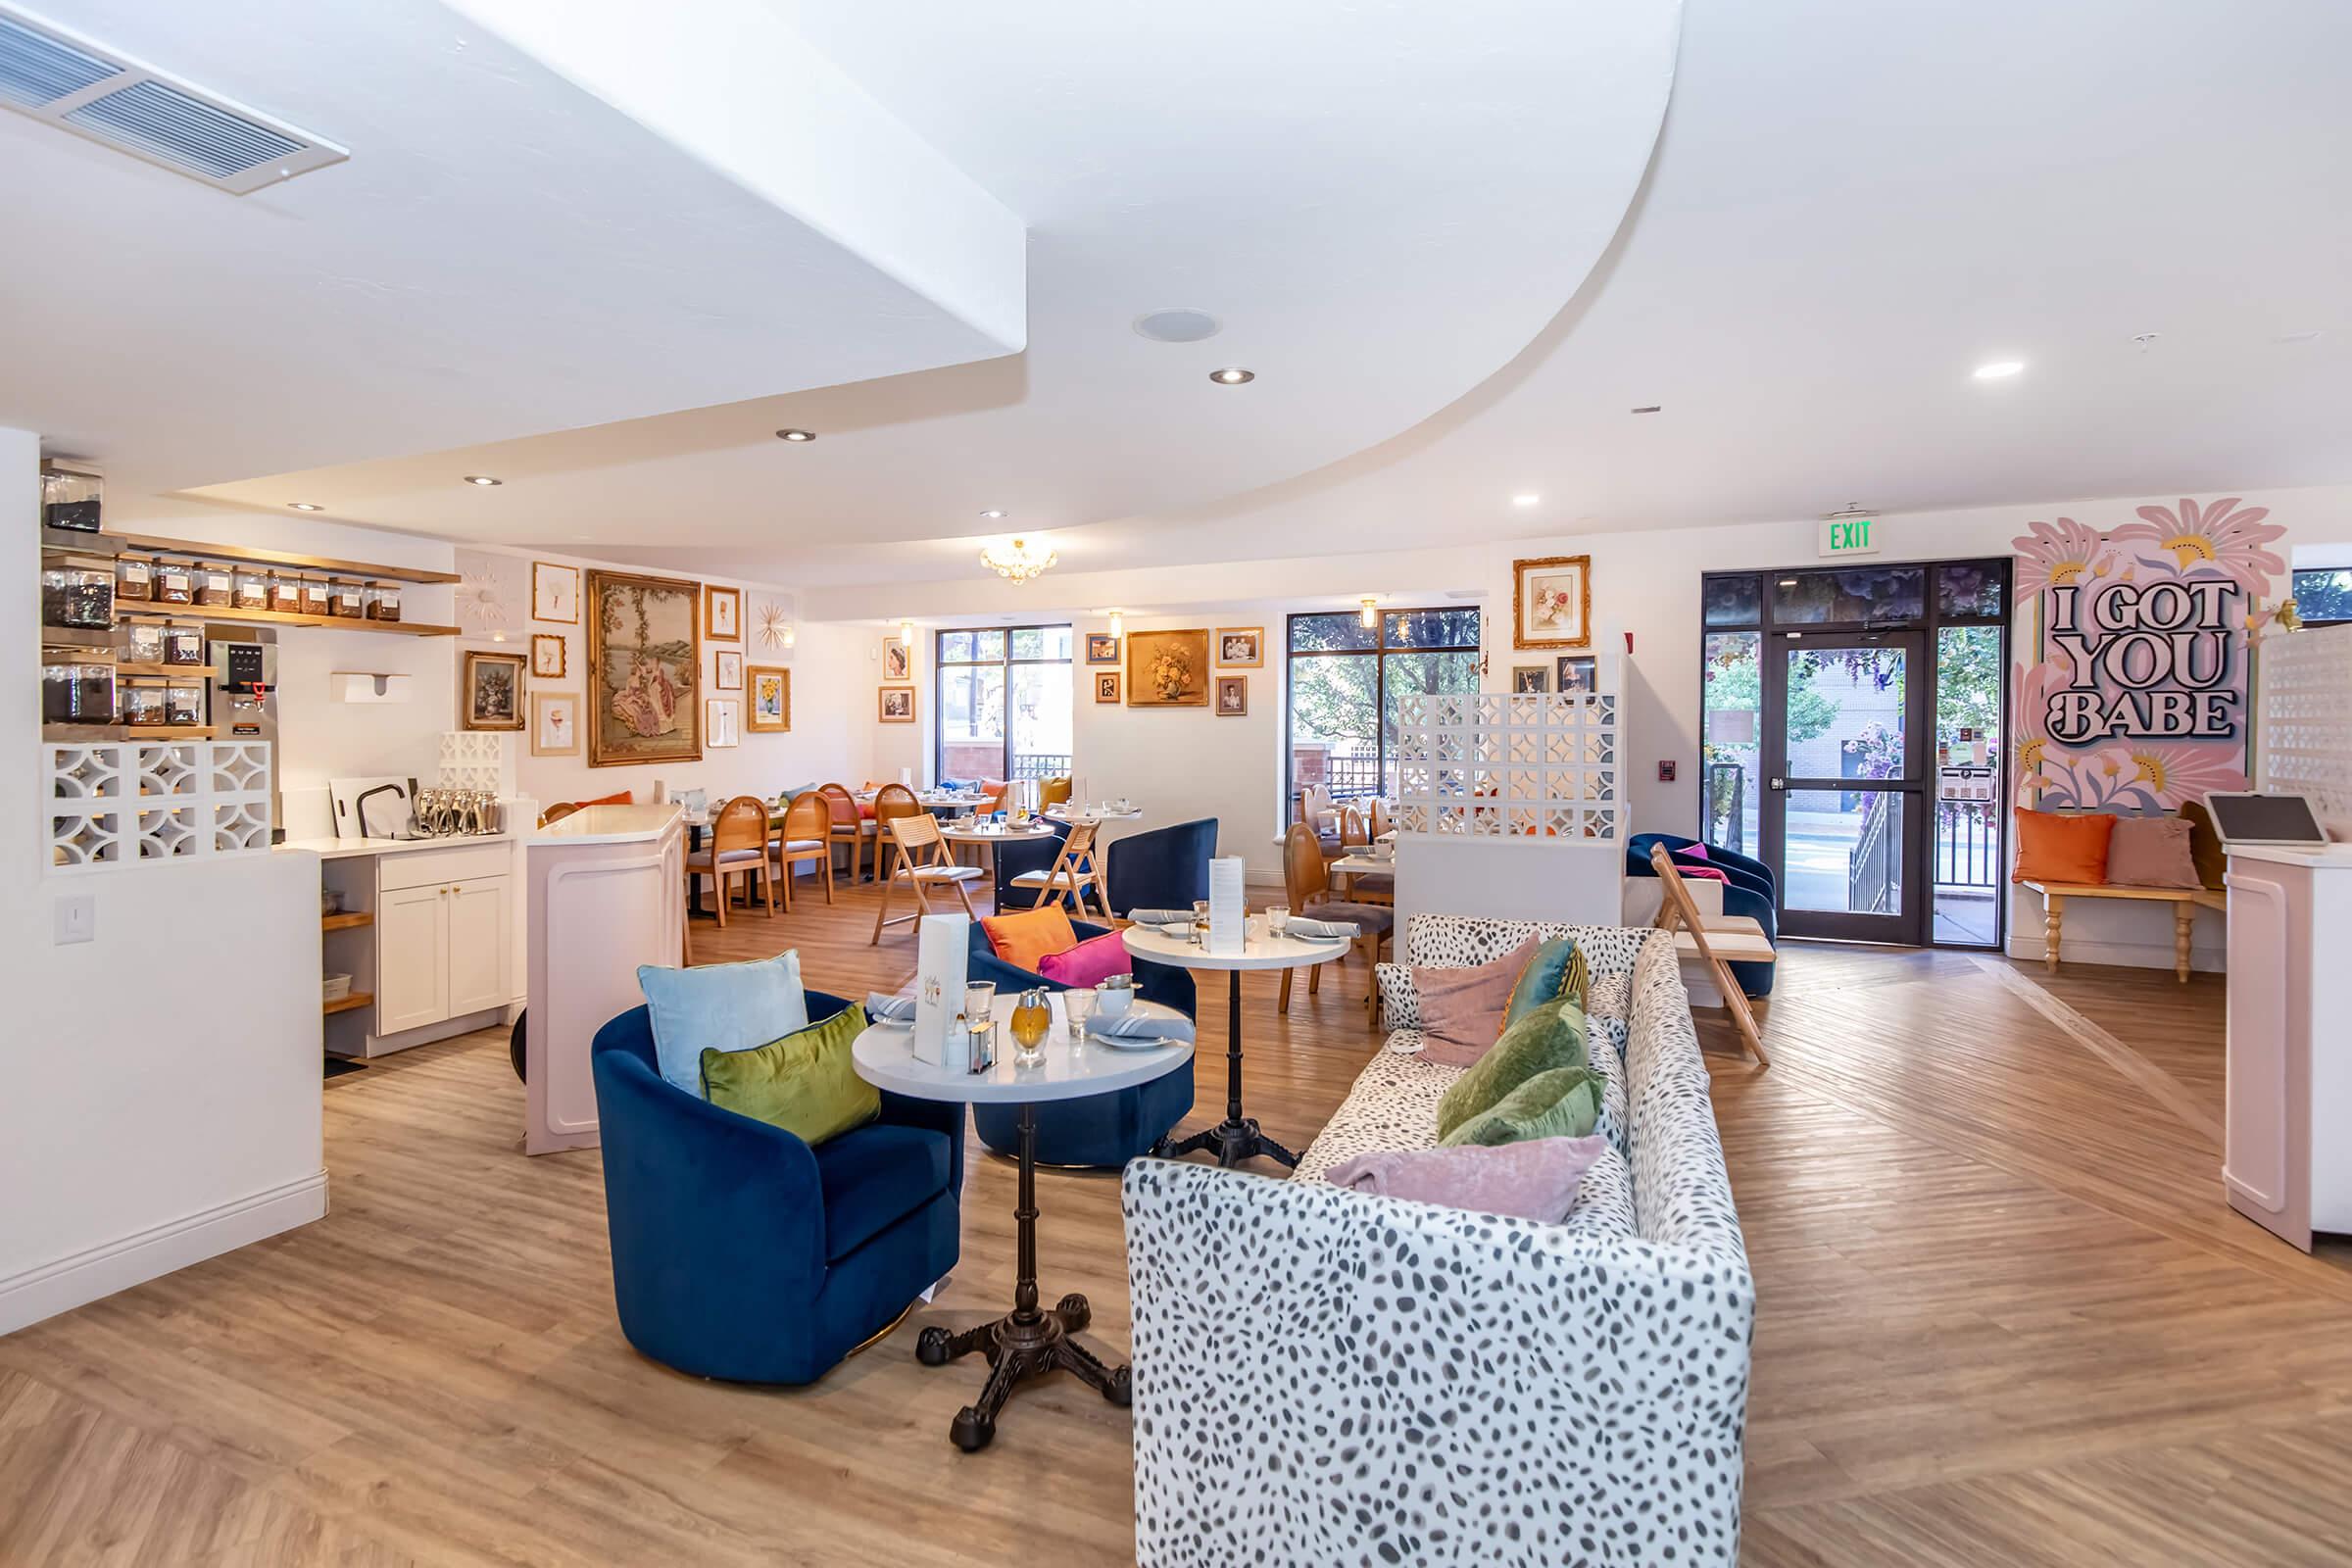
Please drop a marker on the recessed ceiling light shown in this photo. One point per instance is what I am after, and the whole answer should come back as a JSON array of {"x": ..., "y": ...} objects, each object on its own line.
[
  {"x": 1232, "y": 375},
  {"x": 482, "y": 480},
  {"x": 795, "y": 435},
  {"x": 1999, "y": 369},
  {"x": 306, "y": 506},
  {"x": 1525, "y": 499},
  {"x": 1650, "y": 408},
  {"x": 992, "y": 513}
]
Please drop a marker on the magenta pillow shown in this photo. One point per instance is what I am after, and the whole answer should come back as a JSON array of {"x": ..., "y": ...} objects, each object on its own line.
[
  {"x": 1094, "y": 959},
  {"x": 1696, "y": 852},
  {"x": 1463, "y": 1010},
  {"x": 1701, "y": 873},
  {"x": 1534, "y": 1179}
]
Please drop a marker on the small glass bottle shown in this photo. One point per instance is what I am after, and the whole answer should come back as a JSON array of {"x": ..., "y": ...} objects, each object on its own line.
[
  {"x": 183, "y": 644},
  {"x": 216, "y": 586},
  {"x": 252, "y": 589},
  {"x": 285, "y": 594},
  {"x": 383, "y": 602},
  {"x": 350, "y": 601},
  {"x": 134, "y": 579},
  {"x": 142, "y": 703}
]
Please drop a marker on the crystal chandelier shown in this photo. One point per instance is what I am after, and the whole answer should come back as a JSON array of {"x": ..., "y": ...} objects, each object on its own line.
[{"x": 1017, "y": 560}]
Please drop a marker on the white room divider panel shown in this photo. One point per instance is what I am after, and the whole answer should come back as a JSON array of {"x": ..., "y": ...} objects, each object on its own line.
[
  {"x": 120, "y": 803},
  {"x": 2306, "y": 722},
  {"x": 1491, "y": 765}
]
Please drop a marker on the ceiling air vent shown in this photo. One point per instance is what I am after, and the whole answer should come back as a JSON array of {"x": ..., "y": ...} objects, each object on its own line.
[{"x": 56, "y": 75}]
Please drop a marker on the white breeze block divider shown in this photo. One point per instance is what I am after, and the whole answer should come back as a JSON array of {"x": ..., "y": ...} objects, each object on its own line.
[
  {"x": 2306, "y": 719},
  {"x": 1493, "y": 764},
  {"x": 117, "y": 803},
  {"x": 479, "y": 759}
]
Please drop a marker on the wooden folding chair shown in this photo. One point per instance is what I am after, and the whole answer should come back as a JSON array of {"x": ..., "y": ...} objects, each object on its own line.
[
  {"x": 909, "y": 838},
  {"x": 1734, "y": 936},
  {"x": 1075, "y": 871}
]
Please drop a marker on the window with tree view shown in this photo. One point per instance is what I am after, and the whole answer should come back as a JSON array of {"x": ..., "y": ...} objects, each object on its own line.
[
  {"x": 1004, "y": 703},
  {"x": 1347, "y": 680}
]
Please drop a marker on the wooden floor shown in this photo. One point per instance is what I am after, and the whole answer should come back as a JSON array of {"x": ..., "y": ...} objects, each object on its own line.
[{"x": 2006, "y": 1319}]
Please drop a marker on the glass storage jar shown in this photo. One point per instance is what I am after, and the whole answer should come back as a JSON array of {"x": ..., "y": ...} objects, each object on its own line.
[
  {"x": 142, "y": 703},
  {"x": 183, "y": 703},
  {"x": 142, "y": 642},
  {"x": 175, "y": 583},
  {"x": 214, "y": 587},
  {"x": 77, "y": 692},
  {"x": 285, "y": 594},
  {"x": 134, "y": 578},
  {"x": 314, "y": 598},
  {"x": 350, "y": 600},
  {"x": 69, "y": 499},
  {"x": 78, "y": 595},
  {"x": 183, "y": 644},
  {"x": 252, "y": 589},
  {"x": 383, "y": 602}
]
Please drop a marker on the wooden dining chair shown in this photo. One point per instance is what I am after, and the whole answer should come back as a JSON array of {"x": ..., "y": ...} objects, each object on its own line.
[
  {"x": 806, "y": 836},
  {"x": 891, "y": 802},
  {"x": 850, "y": 827},
  {"x": 558, "y": 811},
  {"x": 920, "y": 860},
  {"x": 738, "y": 848},
  {"x": 1076, "y": 870},
  {"x": 1730, "y": 937},
  {"x": 1307, "y": 880},
  {"x": 1379, "y": 819}
]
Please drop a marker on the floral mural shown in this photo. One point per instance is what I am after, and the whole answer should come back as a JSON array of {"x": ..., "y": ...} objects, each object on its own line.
[{"x": 2138, "y": 701}]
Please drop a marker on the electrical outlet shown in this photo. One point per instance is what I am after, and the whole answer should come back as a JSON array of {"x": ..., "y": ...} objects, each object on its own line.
[{"x": 76, "y": 918}]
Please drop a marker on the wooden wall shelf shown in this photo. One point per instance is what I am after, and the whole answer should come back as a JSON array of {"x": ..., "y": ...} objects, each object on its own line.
[
  {"x": 190, "y": 550},
  {"x": 272, "y": 617},
  {"x": 349, "y": 920},
  {"x": 68, "y": 733},
  {"x": 358, "y": 998},
  {"x": 172, "y": 672}
]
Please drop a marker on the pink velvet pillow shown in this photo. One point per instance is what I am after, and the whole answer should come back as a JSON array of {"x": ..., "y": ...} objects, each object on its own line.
[
  {"x": 1535, "y": 1180},
  {"x": 1700, "y": 873},
  {"x": 2152, "y": 851},
  {"x": 1696, "y": 852},
  {"x": 1461, "y": 1009},
  {"x": 1094, "y": 959}
]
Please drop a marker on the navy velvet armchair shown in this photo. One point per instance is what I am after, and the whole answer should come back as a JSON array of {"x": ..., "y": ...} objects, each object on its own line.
[
  {"x": 1166, "y": 868},
  {"x": 1099, "y": 1129},
  {"x": 741, "y": 1252},
  {"x": 1747, "y": 890}
]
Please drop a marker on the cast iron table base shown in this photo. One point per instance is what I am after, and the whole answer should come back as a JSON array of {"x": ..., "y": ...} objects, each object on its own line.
[
  {"x": 1026, "y": 1341},
  {"x": 1236, "y": 1138}
]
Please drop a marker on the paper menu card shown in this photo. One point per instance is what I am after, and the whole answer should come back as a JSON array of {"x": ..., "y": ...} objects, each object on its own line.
[
  {"x": 943, "y": 941},
  {"x": 1228, "y": 910}
]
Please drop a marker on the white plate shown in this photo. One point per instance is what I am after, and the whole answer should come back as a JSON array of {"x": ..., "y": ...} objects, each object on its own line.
[
  {"x": 1131, "y": 1044},
  {"x": 891, "y": 1023}
]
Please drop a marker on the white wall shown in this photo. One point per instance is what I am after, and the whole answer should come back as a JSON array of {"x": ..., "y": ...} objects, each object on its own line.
[{"x": 158, "y": 1086}]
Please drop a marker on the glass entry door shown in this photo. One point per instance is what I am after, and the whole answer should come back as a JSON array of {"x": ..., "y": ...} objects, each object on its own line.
[{"x": 1846, "y": 760}]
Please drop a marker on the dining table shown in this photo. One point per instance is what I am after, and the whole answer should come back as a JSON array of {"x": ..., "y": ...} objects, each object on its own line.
[{"x": 988, "y": 834}]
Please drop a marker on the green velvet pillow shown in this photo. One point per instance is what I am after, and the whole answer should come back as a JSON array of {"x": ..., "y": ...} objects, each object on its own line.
[
  {"x": 1556, "y": 974},
  {"x": 1564, "y": 1103},
  {"x": 804, "y": 1083},
  {"x": 1545, "y": 1039}
]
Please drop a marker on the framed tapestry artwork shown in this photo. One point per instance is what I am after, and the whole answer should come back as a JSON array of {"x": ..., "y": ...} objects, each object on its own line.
[
  {"x": 554, "y": 724},
  {"x": 555, "y": 593},
  {"x": 1106, "y": 685},
  {"x": 1530, "y": 679},
  {"x": 1167, "y": 668},
  {"x": 493, "y": 691},
  {"x": 1578, "y": 676},
  {"x": 729, "y": 676},
  {"x": 1102, "y": 648},
  {"x": 722, "y": 614},
  {"x": 645, "y": 660},
  {"x": 895, "y": 705},
  {"x": 547, "y": 654},
  {"x": 1233, "y": 696},
  {"x": 898, "y": 660},
  {"x": 720, "y": 720},
  {"x": 1242, "y": 647},
  {"x": 771, "y": 699},
  {"x": 1551, "y": 602}
]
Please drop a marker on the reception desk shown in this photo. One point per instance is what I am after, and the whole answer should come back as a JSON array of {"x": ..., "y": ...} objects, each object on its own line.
[
  {"x": 607, "y": 893},
  {"x": 2287, "y": 1165}
]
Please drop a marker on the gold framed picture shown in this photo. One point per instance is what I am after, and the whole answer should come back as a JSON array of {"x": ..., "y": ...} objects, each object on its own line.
[
  {"x": 547, "y": 656},
  {"x": 555, "y": 592},
  {"x": 1233, "y": 696},
  {"x": 645, "y": 662},
  {"x": 895, "y": 705},
  {"x": 1167, "y": 668},
  {"x": 1102, "y": 648},
  {"x": 722, "y": 614},
  {"x": 1530, "y": 681},
  {"x": 1106, "y": 685},
  {"x": 771, "y": 708},
  {"x": 554, "y": 724},
  {"x": 493, "y": 690},
  {"x": 1551, "y": 602},
  {"x": 898, "y": 661},
  {"x": 727, "y": 670},
  {"x": 1242, "y": 647}
]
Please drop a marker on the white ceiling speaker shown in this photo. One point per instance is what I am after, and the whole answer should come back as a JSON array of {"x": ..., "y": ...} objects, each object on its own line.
[
  {"x": 1181, "y": 325},
  {"x": 68, "y": 81}
]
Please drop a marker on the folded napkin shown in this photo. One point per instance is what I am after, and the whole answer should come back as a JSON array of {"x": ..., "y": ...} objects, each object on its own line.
[
  {"x": 889, "y": 1009},
  {"x": 1322, "y": 930},
  {"x": 1141, "y": 1026},
  {"x": 1161, "y": 917}
]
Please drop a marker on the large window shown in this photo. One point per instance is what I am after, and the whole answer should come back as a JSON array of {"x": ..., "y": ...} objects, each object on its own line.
[
  {"x": 2324, "y": 596},
  {"x": 1346, "y": 681},
  {"x": 1004, "y": 703}
]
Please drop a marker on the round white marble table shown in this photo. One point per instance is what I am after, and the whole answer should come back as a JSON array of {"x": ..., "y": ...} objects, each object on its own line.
[
  {"x": 1095, "y": 813},
  {"x": 1236, "y": 1138},
  {"x": 1028, "y": 1340}
]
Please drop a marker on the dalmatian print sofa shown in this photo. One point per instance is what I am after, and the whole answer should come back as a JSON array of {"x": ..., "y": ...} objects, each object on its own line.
[{"x": 1326, "y": 1378}]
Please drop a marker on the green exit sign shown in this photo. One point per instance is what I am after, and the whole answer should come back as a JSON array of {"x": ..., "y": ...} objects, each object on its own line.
[{"x": 1849, "y": 536}]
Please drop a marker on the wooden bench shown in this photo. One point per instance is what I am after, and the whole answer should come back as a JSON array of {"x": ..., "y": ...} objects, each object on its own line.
[{"x": 2186, "y": 903}]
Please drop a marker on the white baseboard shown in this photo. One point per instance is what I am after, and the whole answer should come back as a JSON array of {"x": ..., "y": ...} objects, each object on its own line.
[
  {"x": 85, "y": 1275},
  {"x": 2029, "y": 947}
]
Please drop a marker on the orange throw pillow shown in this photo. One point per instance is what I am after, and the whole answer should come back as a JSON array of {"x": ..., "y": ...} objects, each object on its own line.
[
  {"x": 1022, "y": 938},
  {"x": 617, "y": 798},
  {"x": 2061, "y": 847}
]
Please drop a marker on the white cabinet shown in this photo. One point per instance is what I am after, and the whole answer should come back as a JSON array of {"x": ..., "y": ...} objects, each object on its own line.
[
  {"x": 411, "y": 958},
  {"x": 444, "y": 945},
  {"x": 479, "y": 947}
]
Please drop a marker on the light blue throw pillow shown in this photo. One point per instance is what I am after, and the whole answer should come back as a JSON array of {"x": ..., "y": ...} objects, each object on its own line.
[{"x": 721, "y": 1007}]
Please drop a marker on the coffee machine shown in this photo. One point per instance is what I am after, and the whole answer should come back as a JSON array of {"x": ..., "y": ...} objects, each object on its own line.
[{"x": 242, "y": 701}]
